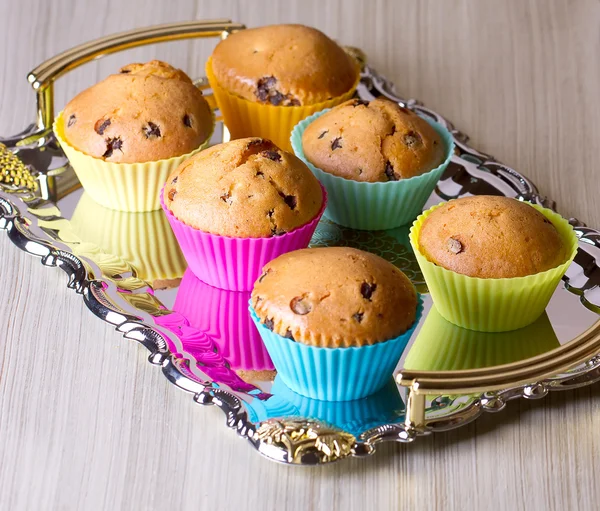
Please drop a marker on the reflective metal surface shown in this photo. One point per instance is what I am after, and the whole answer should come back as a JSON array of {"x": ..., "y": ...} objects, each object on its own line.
[{"x": 130, "y": 272}]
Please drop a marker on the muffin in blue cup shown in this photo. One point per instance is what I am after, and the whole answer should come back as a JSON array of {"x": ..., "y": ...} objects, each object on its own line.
[
  {"x": 379, "y": 161},
  {"x": 334, "y": 320}
]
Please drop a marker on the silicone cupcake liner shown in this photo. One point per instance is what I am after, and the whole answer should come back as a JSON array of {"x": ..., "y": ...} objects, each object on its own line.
[
  {"x": 442, "y": 346},
  {"x": 131, "y": 187},
  {"x": 374, "y": 206},
  {"x": 493, "y": 305},
  {"x": 334, "y": 374},
  {"x": 235, "y": 263},
  {"x": 223, "y": 316},
  {"x": 246, "y": 118},
  {"x": 145, "y": 240}
]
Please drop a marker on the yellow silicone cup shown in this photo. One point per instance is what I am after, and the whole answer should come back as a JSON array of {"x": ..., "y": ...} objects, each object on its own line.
[
  {"x": 131, "y": 187},
  {"x": 493, "y": 305},
  {"x": 245, "y": 118},
  {"x": 145, "y": 240}
]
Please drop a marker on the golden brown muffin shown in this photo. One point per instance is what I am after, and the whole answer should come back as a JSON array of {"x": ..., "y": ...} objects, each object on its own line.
[
  {"x": 147, "y": 112},
  {"x": 372, "y": 141},
  {"x": 246, "y": 188},
  {"x": 334, "y": 297},
  {"x": 283, "y": 65},
  {"x": 491, "y": 237}
]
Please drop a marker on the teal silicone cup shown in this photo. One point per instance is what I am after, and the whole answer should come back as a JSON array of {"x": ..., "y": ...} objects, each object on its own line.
[
  {"x": 374, "y": 206},
  {"x": 335, "y": 374}
]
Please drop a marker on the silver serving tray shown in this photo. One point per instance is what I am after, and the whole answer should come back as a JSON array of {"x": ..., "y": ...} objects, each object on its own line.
[{"x": 447, "y": 376}]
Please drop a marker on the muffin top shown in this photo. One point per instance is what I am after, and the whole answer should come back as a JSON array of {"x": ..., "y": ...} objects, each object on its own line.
[
  {"x": 491, "y": 237},
  {"x": 147, "y": 112},
  {"x": 283, "y": 65},
  {"x": 246, "y": 188},
  {"x": 334, "y": 297},
  {"x": 373, "y": 141}
]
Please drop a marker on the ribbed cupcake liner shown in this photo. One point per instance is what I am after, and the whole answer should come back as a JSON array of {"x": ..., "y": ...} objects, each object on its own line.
[
  {"x": 223, "y": 316},
  {"x": 374, "y": 206},
  {"x": 145, "y": 240},
  {"x": 493, "y": 305},
  {"x": 246, "y": 118},
  {"x": 334, "y": 374},
  {"x": 131, "y": 187},
  {"x": 235, "y": 263},
  {"x": 442, "y": 346}
]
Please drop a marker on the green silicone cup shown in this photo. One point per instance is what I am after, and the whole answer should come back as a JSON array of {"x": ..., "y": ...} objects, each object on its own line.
[
  {"x": 442, "y": 346},
  {"x": 374, "y": 206},
  {"x": 493, "y": 305}
]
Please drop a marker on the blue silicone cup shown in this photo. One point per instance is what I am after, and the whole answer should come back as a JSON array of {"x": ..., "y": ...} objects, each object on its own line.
[
  {"x": 335, "y": 374},
  {"x": 374, "y": 206}
]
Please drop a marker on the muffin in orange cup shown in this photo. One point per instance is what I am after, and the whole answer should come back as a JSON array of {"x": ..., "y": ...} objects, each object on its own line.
[{"x": 268, "y": 79}]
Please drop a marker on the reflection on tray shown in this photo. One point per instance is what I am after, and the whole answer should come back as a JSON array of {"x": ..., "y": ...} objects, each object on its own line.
[
  {"x": 355, "y": 417},
  {"x": 224, "y": 317},
  {"x": 442, "y": 346},
  {"x": 145, "y": 240}
]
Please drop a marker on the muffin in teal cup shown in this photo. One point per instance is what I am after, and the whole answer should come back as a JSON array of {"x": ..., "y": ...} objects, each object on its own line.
[
  {"x": 334, "y": 320},
  {"x": 379, "y": 161}
]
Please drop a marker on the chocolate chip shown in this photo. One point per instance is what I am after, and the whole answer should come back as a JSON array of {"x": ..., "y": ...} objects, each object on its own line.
[
  {"x": 277, "y": 232},
  {"x": 112, "y": 145},
  {"x": 358, "y": 316},
  {"x": 124, "y": 71},
  {"x": 269, "y": 323},
  {"x": 175, "y": 179},
  {"x": 288, "y": 335},
  {"x": 151, "y": 130},
  {"x": 276, "y": 98},
  {"x": 265, "y": 91},
  {"x": 293, "y": 101},
  {"x": 359, "y": 102},
  {"x": 367, "y": 290},
  {"x": 172, "y": 193},
  {"x": 263, "y": 87},
  {"x": 226, "y": 197},
  {"x": 272, "y": 155},
  {"x": 101, "y": 125},
  {"x": 411, "y": 139},
  {"x": 270, "y": 213},
  {"x": 455, "y": 246},
  {"x": 389, "y": 172},
  {"x": 72, "y": 120},
  {"x": 290, "y": 200},
  {"x": 300, "y": 305},
  {"x": 187, "y": 120},
  {"x": 323, "y": 134},
  {"x": 336, "y": 144}
]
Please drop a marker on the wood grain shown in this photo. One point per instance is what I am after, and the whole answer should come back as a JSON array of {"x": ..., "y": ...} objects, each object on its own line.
[{"x": 86, "y": 423}]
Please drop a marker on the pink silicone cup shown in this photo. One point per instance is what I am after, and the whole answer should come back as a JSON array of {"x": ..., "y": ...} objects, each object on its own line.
[
  {"x": 224, "y": 317},
  {"x": 234, "y": 264}
]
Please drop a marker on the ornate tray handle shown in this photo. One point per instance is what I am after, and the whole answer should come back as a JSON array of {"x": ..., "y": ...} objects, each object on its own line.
[{"x": 43, "y": 76}]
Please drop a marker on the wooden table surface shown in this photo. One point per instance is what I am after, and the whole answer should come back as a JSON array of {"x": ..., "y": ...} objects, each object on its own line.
[{"x": 86, "y": 423}]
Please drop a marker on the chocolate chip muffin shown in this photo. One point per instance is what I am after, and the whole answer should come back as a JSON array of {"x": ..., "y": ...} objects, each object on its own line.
[
  {"x": 491, "y": 237},
  {"x": 372, "y": 142},
  {"x": 283, "y": 65},
  {"x": 334, "y": 297},
  {"x": 147, "y": 112},
  {"x": 246, "y": 188}
]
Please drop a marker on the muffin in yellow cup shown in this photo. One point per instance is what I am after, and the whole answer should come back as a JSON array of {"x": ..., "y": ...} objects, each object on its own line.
[
  {"x": 492, "y": 263},
  {"x": 268, "y": 79},
  {"x": 126, "y": 134},
  {"x": 145, "y": 240}
]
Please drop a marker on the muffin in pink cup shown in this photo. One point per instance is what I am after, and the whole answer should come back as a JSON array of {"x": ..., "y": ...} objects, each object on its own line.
[{"x": 236, "y": 206}]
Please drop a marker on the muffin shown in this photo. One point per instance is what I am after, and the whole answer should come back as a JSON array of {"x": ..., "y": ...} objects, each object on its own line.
[
  {"x": 124, "y": 135},
  {"x": 334, "y": 320},
  {"x": 236, "y": 206},
  {"x": 378, "y": 160},
  {"x": 373, "y": 141},
  {"x": 145, "y": 240},
  {"x": 267, "y": 79},
  {"x": 492, "y": 263}
]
